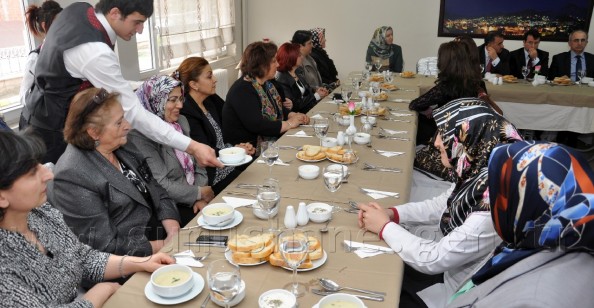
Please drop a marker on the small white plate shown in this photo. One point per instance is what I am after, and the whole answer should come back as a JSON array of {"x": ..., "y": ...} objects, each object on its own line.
[
  {"x": 228, "y": 256},
  {"x": 194, "y": 291},
  {"x": 248, "y": 158},
  {"x": 237, "y": 219},
  {"x": 316, "y": 263}
]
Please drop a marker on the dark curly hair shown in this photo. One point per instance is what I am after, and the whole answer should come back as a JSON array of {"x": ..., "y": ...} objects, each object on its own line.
[{"x": 40, "y": 18}]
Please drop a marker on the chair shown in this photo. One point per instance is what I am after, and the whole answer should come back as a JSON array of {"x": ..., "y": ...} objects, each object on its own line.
[{"x": 427, "y": 66}]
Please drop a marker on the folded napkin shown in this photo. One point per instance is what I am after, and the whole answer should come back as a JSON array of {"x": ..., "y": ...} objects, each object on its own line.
[
  {"x": 400, "y": 100},
  {"x": 299, "y": 134},
  {"x": 276, "y": 162},
  {"x": 238, "y": 202},
  {"x": 187, "y": 261},
  {"x": 378, "y": 194},
  {"x": 390, "y": 154},
  {"x": 317, "y": 116},
  {"x": 368, "y": 249},
  {"x": 397, "y": 114}
]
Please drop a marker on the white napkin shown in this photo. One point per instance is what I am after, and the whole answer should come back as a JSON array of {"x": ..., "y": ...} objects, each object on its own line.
[
  {"x": 317, "y": 116},
  {"x": 400, "y": 100},
  {"x": 334, "y": 102},
  {"x": 238, "y": 202},
  {"x": 187, "y": 261},
  {"x": 394, "y": 132},
  {"x": 300, "y": 133},
  {"x": 278, "y": 162},
  {"x": 369, "y": 251},
  {"x": 378, "y": 194},
  {"x": 390, "y": 154},
  {"x": 397, "y": 114}
]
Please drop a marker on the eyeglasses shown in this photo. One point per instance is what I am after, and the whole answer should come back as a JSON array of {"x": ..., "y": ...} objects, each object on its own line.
[
  {"x": 579, "y": 40},
  {"x": 97, "y": 100}
]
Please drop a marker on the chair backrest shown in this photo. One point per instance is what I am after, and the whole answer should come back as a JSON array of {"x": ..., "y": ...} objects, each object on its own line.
[{"x": 427, "y": 66}]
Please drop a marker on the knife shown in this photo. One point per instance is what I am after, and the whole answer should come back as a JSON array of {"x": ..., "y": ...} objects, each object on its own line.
[{"x": 371, "y": 298}]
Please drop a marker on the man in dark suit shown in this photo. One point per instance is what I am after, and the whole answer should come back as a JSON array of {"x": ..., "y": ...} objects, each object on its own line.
[
  {"x": 569, "y": 62},
  {"x": 529, "y": 56},
  {"x": 493, "y": 55}
]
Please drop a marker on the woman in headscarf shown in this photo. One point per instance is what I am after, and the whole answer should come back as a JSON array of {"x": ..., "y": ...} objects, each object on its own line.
[
  {"x": 468, "y": 129},
  {"x": 176, "y": 171},
  {"x": 381, "y": 46},
  {"x": 326, "y": 66},
  {"x": 542, "y": 197}
]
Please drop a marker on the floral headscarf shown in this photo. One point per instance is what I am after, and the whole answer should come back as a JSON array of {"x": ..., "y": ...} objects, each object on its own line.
[
  {"x": 378, "y": 43},
  {"x": 470, "y": 129},
  {"x": 542, "y": 196},
  {"x": 153, "y": 94},
  {"x": 316, "y": 36}
]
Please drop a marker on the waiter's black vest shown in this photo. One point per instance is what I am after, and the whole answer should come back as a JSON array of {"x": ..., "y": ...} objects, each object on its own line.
[{"x": 54, "y": 87}]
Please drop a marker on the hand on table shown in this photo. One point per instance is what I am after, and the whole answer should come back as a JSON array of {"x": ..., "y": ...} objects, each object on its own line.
[
  {"x": 288, "y": 103},
  {"x": 373, "y": 217}
]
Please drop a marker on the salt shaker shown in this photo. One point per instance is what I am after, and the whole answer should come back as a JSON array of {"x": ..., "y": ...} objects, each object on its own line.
[
  {"x": 302, "y": 217},
  {"x": 290, "y": 218},
  {"x": 340, "y": 138}
]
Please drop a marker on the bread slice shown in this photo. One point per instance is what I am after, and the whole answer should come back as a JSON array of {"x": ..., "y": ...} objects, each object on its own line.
[
  {"x": 244, "y": 242},
  {"x": 264, "y": 251},
  {"x": 316, "y": 254},
  {"x": 311, "y": 150},
  {"x": 276, "y": 259}
]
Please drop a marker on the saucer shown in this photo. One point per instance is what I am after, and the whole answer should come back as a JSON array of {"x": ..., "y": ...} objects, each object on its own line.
[
  {"x": 194, "y": 291},
  {"x": 247, "y": 159},
  {"x": 237, "y": 219}
]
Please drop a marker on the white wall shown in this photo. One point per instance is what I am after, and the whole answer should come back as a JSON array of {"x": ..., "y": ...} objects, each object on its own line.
[{"x": 350, "y": 24}]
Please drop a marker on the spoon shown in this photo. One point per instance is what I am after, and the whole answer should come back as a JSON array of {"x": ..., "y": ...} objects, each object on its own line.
[
  {"x": 325, "y": 228},
  {"x": 332, "y": 286}
]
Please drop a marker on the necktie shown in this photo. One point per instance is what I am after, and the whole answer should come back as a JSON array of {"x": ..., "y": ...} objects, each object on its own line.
[
  {"x": 529, "y": 64},
  {"x": 578, "y": 66},
  {"x": 489, "y": 66}
]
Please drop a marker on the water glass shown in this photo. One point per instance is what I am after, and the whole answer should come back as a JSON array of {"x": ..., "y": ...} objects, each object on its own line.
[
  {"x": 270, "y": 153},
  {"x": 525, "y": 71},
  {"x": 321, "y": 126},
  {"x": 224, "y": 280},
  {"x": 377, "y": 63},
  {"x": 333, "y": 178},
  {"x": 388, "y": 76},
  {"x": 268, "y": 196},
  {"x": 346, "y": 94},
  {"x": 368, "y": 66},
  {"x": 294, "y": 249}
]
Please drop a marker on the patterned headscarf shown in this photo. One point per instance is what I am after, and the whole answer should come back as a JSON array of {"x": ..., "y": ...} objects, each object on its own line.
[
  {"x": 378, "y": 43},
  {"x": 316, "y": 36},
  {"x": 470, "y": 129},
  {"x": 153, "y": 94},
  {"x": 542, "y": 196}
]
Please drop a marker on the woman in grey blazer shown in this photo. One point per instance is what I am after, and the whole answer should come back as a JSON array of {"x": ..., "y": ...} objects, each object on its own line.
[
  {"x": 185, "y": 181},
  {"x": 105, "y": 188},
  {"x": 541, "y": 204}
]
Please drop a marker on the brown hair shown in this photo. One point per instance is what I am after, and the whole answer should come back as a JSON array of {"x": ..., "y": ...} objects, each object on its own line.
[
  {"x": 40, "y": 18},
  {"x": 256, "y": 59},
  {"x": 458, "y": 71},
  {"x": 89, "y": 108},
  {"x": 189, "y": 70}
]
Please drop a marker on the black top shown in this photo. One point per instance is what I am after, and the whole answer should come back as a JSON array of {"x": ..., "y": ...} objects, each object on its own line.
[
  {"x": 325, "y": 65},
  {"x": 200, "y": 129},
  {"x": 301, "y": 102},
  {"x": 518, "y": 59},
  {"x": 503, "y": 65},
  {"x": 242, "y": 115}
]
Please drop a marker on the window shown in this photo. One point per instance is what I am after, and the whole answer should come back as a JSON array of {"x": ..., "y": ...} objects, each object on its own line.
[{"x": 15, "y": 45}]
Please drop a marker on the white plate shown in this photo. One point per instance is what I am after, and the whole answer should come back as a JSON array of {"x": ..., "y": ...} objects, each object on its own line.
[
  {"x": 309, "y": 160},
  {"x": 229, "y": 258},
  {"x": 248, "y": 158},
  {"x": 237, "y": 219},
  {"x": 194, "y": 291},
  {"x": 316, "y": 263}
]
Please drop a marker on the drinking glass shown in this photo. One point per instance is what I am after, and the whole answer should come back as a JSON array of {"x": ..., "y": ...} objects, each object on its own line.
[
  {"x": 525, "y": 72},
  {"x": 268, "y": 196},
  {"x": 375, "y": 90},
  {"x": 321, "y": 126},
  {"x": 388, "y": 76},
  {"x": 224, "y": 280},
  {"x": 368, "y": 66},
  {"x": 333, "y": 178},
  {"x": 270, "y": 154},
  {"x": 346, "y": 94},
  {"x": 356, "y": 83},
  {"x": 579, "y": 75},
  {"x": 294, "y": 249},
  {"x": 377, "y": 63},
  {"x": 482, "y": 67}
]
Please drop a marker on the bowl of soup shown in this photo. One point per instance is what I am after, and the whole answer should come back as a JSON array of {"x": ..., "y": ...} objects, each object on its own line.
[
  {"x": 277, "y": 298},
  {"x": 319, "y": 212},
  {"x": 217, "y": 214},
  {"x": 340, "y": 300},
  {"x": 172, "y": 280},
  {"x": 232, "y": 155}
]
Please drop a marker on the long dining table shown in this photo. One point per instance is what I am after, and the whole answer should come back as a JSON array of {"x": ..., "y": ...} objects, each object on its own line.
[{"x": 380, "y": 273}]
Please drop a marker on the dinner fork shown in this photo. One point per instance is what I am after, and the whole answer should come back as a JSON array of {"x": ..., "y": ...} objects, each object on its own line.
[
  {"x": 368, "y": 166},
  {"x": 349, "y": 248},
  {"x": 382, "y": 152},
  {"x": 392, "y": 137}
]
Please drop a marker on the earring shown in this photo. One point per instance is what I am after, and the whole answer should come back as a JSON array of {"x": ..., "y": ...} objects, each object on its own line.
[{"x": 97, "y": 143}]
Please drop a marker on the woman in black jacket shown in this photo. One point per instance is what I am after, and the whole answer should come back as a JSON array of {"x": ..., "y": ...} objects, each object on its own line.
[{"x": 326, "y": 66}]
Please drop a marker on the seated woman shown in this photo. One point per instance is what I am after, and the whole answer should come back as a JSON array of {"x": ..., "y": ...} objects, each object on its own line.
[
  {"x": 289, "y": 59},
  {"x": 254, "y": 112},
  {"x": 204, "y": 110},
  {"x": 541, "y": 205},
  {"x": 381, "y": 46},
  {"x": 43, "y": 262},
  {"x": 104, "y": 187},
  {"x": 468, "y": 129},
  {"x": 325, "y": 65},
  {"x": 176, "y": 171},
  {"x": 309, "y": 69}
]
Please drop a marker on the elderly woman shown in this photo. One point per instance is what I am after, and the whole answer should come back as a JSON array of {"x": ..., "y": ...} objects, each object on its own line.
[
  {"x": 325, "y": 65},
  {"x": 541, "y": 196},
  {"x": 204, "y": 110},
  {"x": 43, "y": 262},
  {"x": 176, "y": 171},
  {"x": 289, "y": 58},
  {"x": 381, "y": 47},
  {"x": 254, "y": 112},
  {"x": 309, "y": 69},
  {"x": 468, "y": 129},
  {"x": 105, "y": 188}
]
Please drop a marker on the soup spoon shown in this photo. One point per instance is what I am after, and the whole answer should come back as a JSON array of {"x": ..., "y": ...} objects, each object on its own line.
[{"x": 332, "y": 286}]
